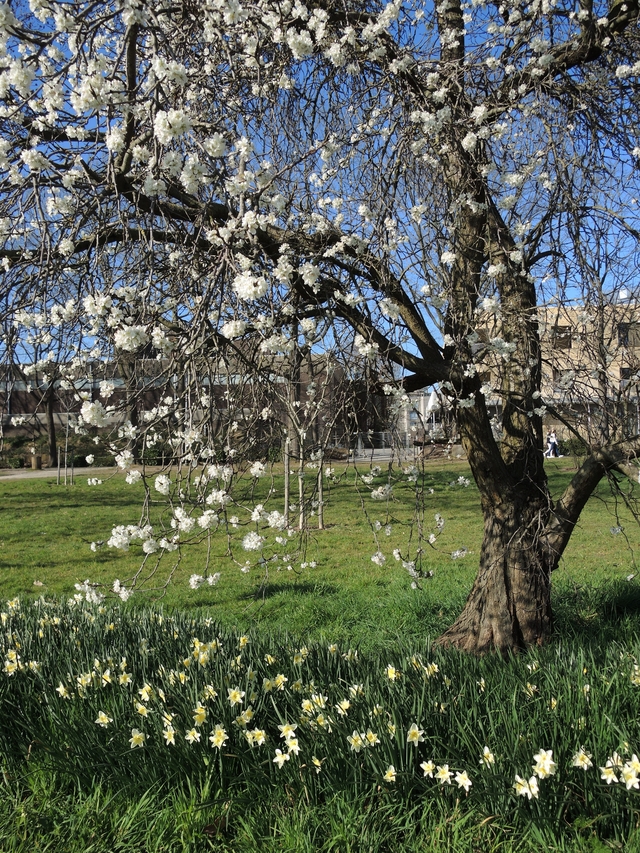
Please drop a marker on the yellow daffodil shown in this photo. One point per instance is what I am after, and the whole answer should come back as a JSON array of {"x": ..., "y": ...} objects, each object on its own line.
[
  {"x": 137, "y": 738},
  {"x": 415, "y": 735},
  {"x": 281, "y": 757},
  {"x": 103, "y": 720},
  {"x": 462, "y": 778},
  {"x": 390, "y": 775},
  {"x": 428, "y": 768}
]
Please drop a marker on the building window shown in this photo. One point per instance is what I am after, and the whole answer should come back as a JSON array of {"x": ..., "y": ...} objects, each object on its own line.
[
  {"x": 629, "y": 335},
  {"x": 629, "y": 376},
  {"x": 561, "y": 337}
]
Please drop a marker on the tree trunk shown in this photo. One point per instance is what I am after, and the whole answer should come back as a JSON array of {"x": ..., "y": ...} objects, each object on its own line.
[
  {"x": 51, "y": 428},
  {"x": 509, "y": 607}
]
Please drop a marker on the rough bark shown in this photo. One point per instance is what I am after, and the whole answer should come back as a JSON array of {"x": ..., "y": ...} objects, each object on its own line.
[
  {"x": 509, "y": 607},
  {"x": 51, "y": 427}
]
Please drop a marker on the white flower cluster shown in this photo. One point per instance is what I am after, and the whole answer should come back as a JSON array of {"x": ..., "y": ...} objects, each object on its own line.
[
  {"x": 124, "y": 460},
  {"x": 252, "y": 541},
  {"x": 162, "y": 484},
  {"x": 248, "y": 286},
  {"x": 503, "y": 348},
  {"x": 93, "y": 414},
  {"x": 171, "y": 125},
  {"x": 123, "y": 535},
  {"x": 196, "y": 581},
  {"x": 130, "y": 338},
  {"x": 365, "y": 348},
  {"x": 208, "y": 520},
  {"x": 182, "y": 520},
  {"x": 233, "y": 329},
  {"x": 121, "y": 590},
  {"x": 382, "y": 493},
  {"x": 218, "y": 496},
  {"x": 90, "y": 592}
]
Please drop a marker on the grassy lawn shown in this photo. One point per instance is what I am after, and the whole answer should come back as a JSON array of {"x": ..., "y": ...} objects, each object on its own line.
[
  {"x": 46, "y": 530},
  {"x": 80, "y": 680}
]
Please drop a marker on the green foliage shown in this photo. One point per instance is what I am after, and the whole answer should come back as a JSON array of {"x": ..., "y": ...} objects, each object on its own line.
[
  {"x": 66, "y": 665},
  {"x": 70, "y": 784},
  {"x": 46, "y": 530}
]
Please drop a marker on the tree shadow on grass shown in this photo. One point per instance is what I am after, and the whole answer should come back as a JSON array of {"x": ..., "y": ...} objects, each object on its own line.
[
  {"x": 270, "y": 590},
  {"x": 598, "y": 613}
]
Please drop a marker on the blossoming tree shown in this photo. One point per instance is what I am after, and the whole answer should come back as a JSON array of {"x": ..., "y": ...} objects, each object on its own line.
[{"x": 411, "y": 179}]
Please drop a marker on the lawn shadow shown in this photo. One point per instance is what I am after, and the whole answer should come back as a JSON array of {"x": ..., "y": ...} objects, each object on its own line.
[
  {"x": 597, "y": 613},
  {"x": 270, "y": 590}
]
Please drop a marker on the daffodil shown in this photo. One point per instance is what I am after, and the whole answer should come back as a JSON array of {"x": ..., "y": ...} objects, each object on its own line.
[
  {"x": 462, "y": 778},
  {"x": 428, "y": 767},
  {"x": 245, "y": 717},
  {"x": 614, "y": 760},
  {"x": 293, "y": 745},
  {"x": 634, "y": 762},
  {"x": 256, "y": 737},
  {"x": 630, "y": 777},
  {"x": 287, "y": 730},
  {"x": 145, "y": 692},
  {"x": 390, "y": 775},
  {"x": 608, "y": 774},
  {"x": 431, "y": 669},
  {"x": 392, "y": 673},
  {"x": 343, "y": 706},
  {"x": 582, "y": 759},
  {"x": 218, "y": 737},
  {"x": 356, "y": 741},
  {"x": 488, "y": 758},
  {"x": 544, "y": 764},
  {"x": 199, "y": 714},
  {"x": 443, "y": 774},
  {"x": 526, "y": 789},
  {"x": 192, "y": 736},
  {"x": 281, "y": 757},
  {"x": 169, "y": 735},
  {"x": 371, "y": 738},
  {"x": 415, "y": 735},
  {"x": 103, "y": 720},
  {"x": 137, "y": 738},
  {"x": 235, "y": 695}
]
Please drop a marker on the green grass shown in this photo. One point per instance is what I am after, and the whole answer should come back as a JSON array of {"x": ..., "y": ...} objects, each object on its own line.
[
  {"x": 45, "y": 532},
  {"x": 68, "y": 784},
  {"x": 56, "y": 760}
]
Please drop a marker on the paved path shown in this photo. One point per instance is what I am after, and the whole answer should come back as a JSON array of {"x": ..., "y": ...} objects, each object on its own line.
[{"x": 48, "y": 473}]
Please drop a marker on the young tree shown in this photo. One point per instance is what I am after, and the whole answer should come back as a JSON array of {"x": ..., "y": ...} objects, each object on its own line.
[{"x": 409, "y": 176}]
